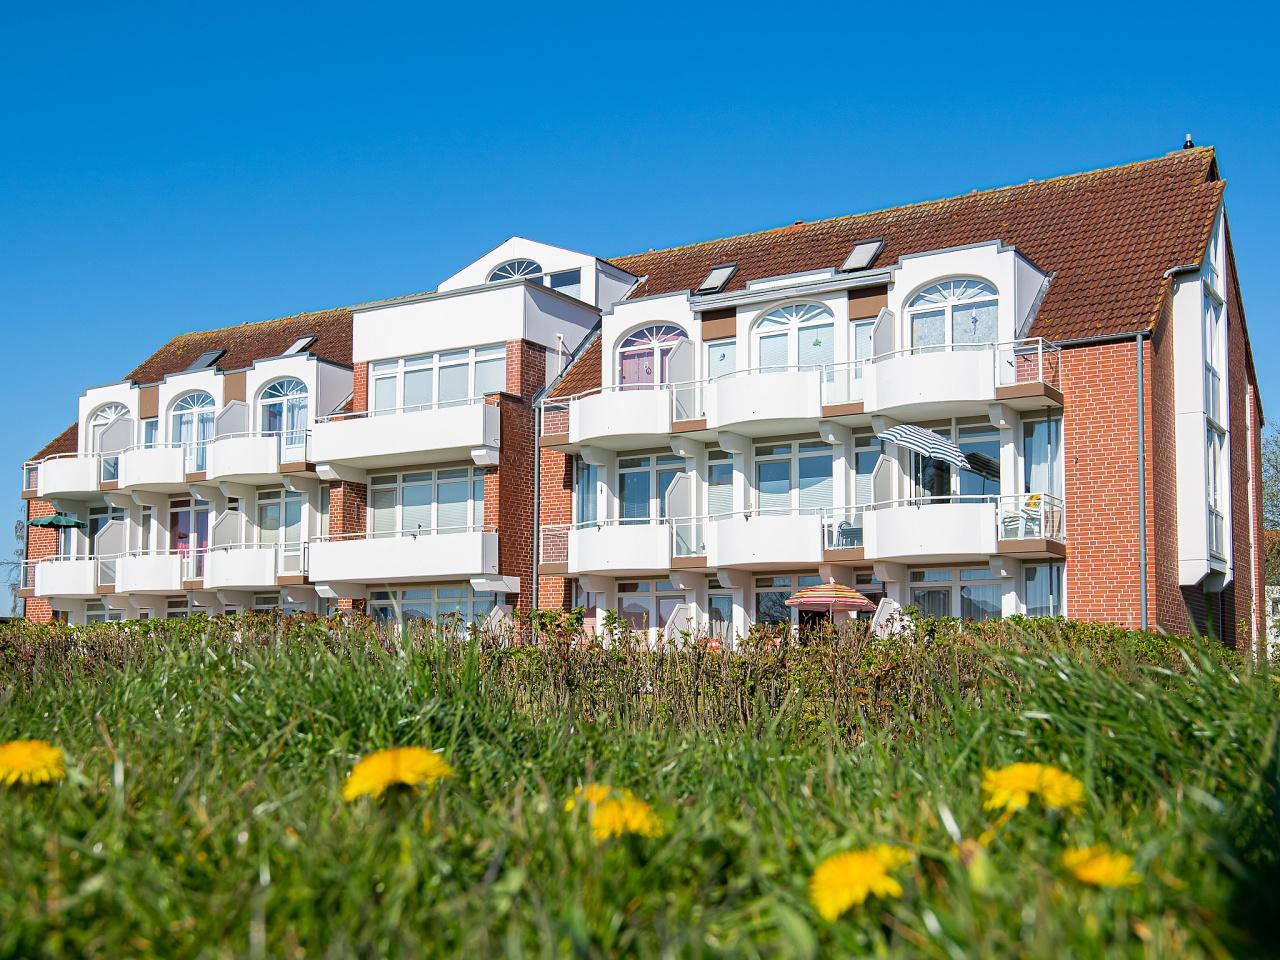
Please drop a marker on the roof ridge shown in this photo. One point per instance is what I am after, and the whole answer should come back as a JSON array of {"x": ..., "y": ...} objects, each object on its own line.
[
  {"x": 1172, "y": 156},
  {"x": 256, "y": 323}
]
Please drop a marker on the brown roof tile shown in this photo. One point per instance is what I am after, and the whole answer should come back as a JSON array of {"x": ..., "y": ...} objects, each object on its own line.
[
  {"x": 583, "y": 373},
  {"x": 248, "y": 342},
  {"x": 242, "y": 345},
  {"x": 1109, "y": 235}
]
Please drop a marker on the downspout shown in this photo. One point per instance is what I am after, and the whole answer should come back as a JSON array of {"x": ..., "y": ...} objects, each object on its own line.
[
  {"x": 1142, "y": 482},
  {"x": 537, "y": 501},
  {"x": 1259, "y": 650}
]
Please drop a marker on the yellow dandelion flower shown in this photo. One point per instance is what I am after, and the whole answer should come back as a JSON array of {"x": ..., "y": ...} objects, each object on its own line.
[
  {"x": 399, "y": 766},
  {"x": 591, "y": 794},
  {"x": 1101, "y": 867},
  {"x": 613, "y": 818},
  {"x": 30, "y": 762},
  {"x": 1011, "y": 787},
  {"x": 847, "y": 879},
  {"x": 614, "y": 811}
]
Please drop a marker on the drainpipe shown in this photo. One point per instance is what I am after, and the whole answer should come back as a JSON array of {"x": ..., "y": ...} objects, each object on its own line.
[
  {"x": 537, "y": 500},
  {"x": 1142, "y": 483}
]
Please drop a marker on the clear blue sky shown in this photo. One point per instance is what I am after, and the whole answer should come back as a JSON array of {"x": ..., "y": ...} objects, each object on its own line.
[{"x": 168, "y": 170}]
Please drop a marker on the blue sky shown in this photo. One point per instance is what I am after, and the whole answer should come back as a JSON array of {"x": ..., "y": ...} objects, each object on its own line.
[{"x": 169, "y": 170}]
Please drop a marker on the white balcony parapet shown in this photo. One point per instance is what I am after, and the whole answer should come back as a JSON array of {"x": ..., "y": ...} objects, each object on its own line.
[
  {"x": 67, "y": 475},
  {"x": 70, "y": 577},
  {"x": 419, "y": 434},
  {"x": 254, "y": 456},
  {"x": 159, "y": 467},
  {"x": 766, "y": 539},
  {"x": 157, "y": 571},
  {"x": 252, "y": 566},
  {"x": 405, "y": 556},
  {"x": 1032, "y": 516},
  {"x": 913, "y": 377}
]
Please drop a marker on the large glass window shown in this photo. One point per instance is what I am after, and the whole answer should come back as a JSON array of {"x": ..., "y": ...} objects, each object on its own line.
[
  {"x": 980, "y": 594},
  {"x": 99, "y": 517},
  {"x": 719, "y": 483},
  {"x": 642, "y": 486},
  {"x": 931, "y": 591},
  {"x": 283, "y": 414},
  {"x": 646, "y": 604},
  {"x": 444, "y": 603},
  {"x": 104, "y": 417},
  {"x": 644, "y": 357},
  {"x": 1045, "y": 589},
  {"x": 1042, "y": 456},
  {"x": 444, "y": 379},
  {"x": 192, "y": 427},
  {"x": 961, "y": 314},
  {"x": 772, "y": 594},
  {"x": 279, "y": 524},
  {"x": 795, "y": 334},
  {"x": 794, "y": 476},
  {"x": 722, "y": 358},
  {"x": 981, "y": 447},
  {"x": 586, "y": 482},
  {"x": 449, "y": 500},
  {"x": 189, "y": 534}
]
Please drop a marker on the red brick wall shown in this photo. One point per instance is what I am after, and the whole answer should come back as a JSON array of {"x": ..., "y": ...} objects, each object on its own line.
[
  {"x": 1167, "y": 606},
  {"x": 1100, "y": 436},
  {"x": 347, "y": 506},
  {"x": 41, "y": 543},
  {"x": 360, "y": 387},
  {"x": 508, "y": 490},
  {"x": 555, "y": 507}
]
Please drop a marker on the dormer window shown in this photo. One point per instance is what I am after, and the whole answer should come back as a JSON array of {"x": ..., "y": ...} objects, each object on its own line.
[
  {"x": 956, "y": 314},
  {"x": 515, "y": 270}
]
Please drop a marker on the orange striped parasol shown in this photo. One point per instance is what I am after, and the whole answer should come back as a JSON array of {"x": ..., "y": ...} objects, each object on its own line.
[{"x": 829, "y": 596}]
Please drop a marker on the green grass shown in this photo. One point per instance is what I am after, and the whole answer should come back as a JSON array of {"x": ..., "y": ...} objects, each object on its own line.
[{"x": 201, "y": 813}]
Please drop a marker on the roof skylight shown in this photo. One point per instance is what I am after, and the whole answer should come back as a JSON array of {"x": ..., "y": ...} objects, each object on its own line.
[
  {"x": 717, "y": 278},
  {"x": 205, "y": 360},
  {"x": 862, "y": 255},
  {"x": 299, "y": 345}
]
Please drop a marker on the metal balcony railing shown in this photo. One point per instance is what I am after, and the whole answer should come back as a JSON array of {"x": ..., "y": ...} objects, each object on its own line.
[{"x": 407, "y": 408}]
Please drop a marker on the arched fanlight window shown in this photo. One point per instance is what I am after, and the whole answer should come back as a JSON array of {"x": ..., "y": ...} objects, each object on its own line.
[
  {"x": 191, "y": 426},
  {"x": 797, "y": 334},
  {"x": 102, "y": 418},
  {"x": 645, "y": 356},
  {"x": 957, "y": 313},
  {"x": 283, "y": 406},
  {"x": 515, "y": 270}
]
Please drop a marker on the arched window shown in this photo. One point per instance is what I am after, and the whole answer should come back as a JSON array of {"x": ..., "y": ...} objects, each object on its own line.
[
  {"x": 192, "y": 427},
  {"x": 960, "y": 314},
  {"x": 645, "y": 356},
  {"x": 102, "y": 418},
  {"x": 283, "y": 413},
  {"x": 515, "y": 270},
  {"x": 798, "y": 334}
]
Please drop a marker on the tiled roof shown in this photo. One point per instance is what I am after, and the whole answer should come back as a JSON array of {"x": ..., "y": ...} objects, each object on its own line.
[
  {"x": 241, "y": 346},
  {"x": 583, "y": 373},
  {"x": 1108, "y": 235},
  {"x": 65, "y": 442},
  {"x": 247, "y": 342}
]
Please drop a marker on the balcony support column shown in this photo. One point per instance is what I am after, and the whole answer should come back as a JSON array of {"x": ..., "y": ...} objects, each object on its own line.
[
  {"x": 333, "y": 472},
  {"x": 1009, "y": 570},
  {"x": 687, "y": 580},
  {"x": 1009, "y": 422},
  {"x": 734, "y": 579},
  {"x": 687, "y": 447},
  {"x": 342, "y": 591},
  {"x": 211, "y": 493}
]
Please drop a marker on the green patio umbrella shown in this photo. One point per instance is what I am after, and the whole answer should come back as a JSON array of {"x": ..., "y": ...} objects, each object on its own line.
[{"x": 57, "y": 521}]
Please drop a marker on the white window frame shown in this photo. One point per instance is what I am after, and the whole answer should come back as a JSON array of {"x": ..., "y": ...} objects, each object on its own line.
[
  {"x": 395, "y": 368},
  {"x": 427, "y": 476},
  {"x": 653, "y": 592},
  {"x": 798, "y": 450},
  {"x": 655, "y": 465},
  {"x": 785, "y": 318},
  {"x": 794, "y": 583},
  {"x": 947, "y": 308}
]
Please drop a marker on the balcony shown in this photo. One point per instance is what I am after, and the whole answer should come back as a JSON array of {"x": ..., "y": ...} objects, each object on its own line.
[
  {"x": 248, "y": 566},
  {"x": 768, "y": 540},
  {"x": 68, "y": 476},
  {"x": 254, "y": 458},
  {"x": 69, "y": 577},
  {"x": 160, "y": 468},
  {"x": 160, "y": 572},
  {"x": 1032, "y": 525},
  {"x": 404, "y": 556},
  {"x": 619, "y": 548},
  {"x": 408, "y": 435},
  {"x": 922, "y": 382},
  {"x": 763, "y": 401}
]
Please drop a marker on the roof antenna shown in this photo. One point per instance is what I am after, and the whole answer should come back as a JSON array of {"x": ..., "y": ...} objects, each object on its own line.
[{"x": 1188, "y": 143}]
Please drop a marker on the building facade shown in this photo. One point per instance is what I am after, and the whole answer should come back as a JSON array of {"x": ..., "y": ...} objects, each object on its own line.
[{"x": 1034, "y": 400}]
